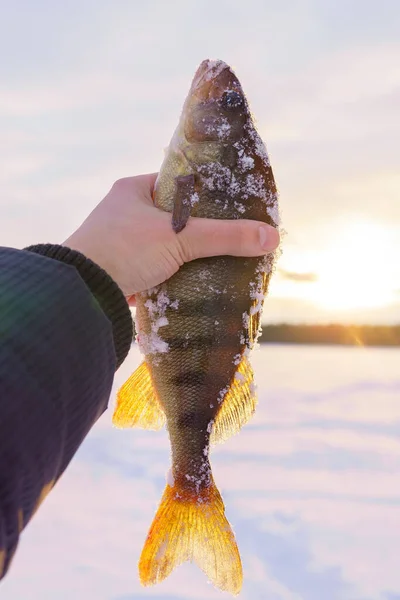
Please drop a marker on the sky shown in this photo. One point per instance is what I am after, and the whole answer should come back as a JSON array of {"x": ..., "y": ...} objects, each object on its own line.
[
  {"x": 311, "y": 486},
  {"x": 92, "y": 91}
]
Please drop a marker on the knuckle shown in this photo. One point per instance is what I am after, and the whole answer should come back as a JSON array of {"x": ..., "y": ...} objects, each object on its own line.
[
  {"x": 184, "y": 249},
  {"x": 122, "y": 184}
]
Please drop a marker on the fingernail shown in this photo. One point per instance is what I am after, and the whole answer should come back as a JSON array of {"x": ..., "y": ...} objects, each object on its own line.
[{"x": 269, "y": 238}]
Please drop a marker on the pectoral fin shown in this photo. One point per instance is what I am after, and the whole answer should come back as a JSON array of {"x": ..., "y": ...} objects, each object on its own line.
[
  {"x": 237, "y": 406},
  {"x": 183, "y": 201},
  {"x": 137, "y": 403}
]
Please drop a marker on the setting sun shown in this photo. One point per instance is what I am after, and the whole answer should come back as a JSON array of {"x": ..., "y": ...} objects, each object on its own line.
[
  {"x": 357, "y": 271},
  {"x": 354, "y": 269}
]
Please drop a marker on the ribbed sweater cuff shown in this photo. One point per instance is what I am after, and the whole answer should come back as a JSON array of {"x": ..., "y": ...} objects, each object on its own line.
[{"x": 104, "y": 289}]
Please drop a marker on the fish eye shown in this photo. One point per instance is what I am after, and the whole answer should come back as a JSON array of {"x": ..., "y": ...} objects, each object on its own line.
[{"x": 231, "y": 99}]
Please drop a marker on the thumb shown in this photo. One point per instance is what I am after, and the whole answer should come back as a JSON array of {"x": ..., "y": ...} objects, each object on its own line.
[{"x": 214, "y": 237}]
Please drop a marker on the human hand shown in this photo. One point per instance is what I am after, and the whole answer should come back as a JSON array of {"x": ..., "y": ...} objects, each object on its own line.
[{"x": 135, "y": 243}]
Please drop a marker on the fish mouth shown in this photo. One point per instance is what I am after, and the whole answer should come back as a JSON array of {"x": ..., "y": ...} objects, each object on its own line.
[
  {"x": 207, "y": 71},
  {"x": 212, "y": 78}
]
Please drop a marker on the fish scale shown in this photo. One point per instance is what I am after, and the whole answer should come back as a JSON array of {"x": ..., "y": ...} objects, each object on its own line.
[{"x": 196, "y": 329}]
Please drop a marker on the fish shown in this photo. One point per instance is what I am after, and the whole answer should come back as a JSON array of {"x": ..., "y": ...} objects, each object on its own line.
[{"x": 196, "y": 330}]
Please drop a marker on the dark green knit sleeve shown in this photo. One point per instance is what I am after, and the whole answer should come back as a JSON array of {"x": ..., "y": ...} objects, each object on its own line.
[{"x": 64, "y": 328}]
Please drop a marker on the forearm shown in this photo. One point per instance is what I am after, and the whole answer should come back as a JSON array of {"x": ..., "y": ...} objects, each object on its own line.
[{"x": 58, "y": 355}]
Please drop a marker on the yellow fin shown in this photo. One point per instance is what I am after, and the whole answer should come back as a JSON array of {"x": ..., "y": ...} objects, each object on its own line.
[
  {"x": 192, "y": 528},
  {"x": 137, "y": 404},
  {"x": 238, "y": 405},
  {"x": 256, "y": 309}
]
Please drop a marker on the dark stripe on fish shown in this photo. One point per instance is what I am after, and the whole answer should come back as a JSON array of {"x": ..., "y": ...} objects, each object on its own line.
[
  {"x": 217, "y": 306},
  {"x": 189, "y": 378},
  {"x": 193, "y": 419},
  {"x": 218, "y": 339}
]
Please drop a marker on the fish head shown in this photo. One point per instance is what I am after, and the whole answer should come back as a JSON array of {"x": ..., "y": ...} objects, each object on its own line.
[
  {"x": 216, "y": 109},
  {"x": 214, "y": 130}
]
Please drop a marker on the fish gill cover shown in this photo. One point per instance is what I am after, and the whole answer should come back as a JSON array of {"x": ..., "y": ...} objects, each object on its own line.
[{"x": 196, "y": 330}]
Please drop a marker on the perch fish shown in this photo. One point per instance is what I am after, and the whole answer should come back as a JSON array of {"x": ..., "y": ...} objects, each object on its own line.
[{"x": 196, "y": 330}]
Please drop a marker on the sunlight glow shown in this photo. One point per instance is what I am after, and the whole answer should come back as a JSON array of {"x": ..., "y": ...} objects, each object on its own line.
[{"x": 356, "y": 269}]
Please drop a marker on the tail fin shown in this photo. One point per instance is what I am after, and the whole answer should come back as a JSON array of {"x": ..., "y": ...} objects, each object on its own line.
[{"x": 188, "y": 528}]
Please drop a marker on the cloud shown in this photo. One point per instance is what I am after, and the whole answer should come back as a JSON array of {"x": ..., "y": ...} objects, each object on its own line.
[
  {"x": 298, "y": 277},
  {"x": 105, "y": 101}
]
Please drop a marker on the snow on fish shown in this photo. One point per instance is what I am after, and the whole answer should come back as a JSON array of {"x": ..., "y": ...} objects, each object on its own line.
[{"x": 196, "y": 329}]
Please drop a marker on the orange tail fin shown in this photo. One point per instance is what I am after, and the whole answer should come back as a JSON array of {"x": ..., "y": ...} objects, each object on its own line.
[{"x": 188, "y": 528}]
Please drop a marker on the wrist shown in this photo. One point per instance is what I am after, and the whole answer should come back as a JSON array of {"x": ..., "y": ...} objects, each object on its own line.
[
  {"x": 104, "y": 289},
  {"x": 94, "y": 252}
]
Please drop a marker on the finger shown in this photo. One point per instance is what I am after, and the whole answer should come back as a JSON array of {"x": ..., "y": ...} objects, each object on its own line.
[
  {"x": 142, "y": 186},
  {"x": 145, "y": 184},
  {"x": 211, "y": 237}
]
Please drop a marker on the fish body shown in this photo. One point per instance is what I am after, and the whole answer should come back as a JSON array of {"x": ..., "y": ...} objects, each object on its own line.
[{"x": 196, "y": 329}]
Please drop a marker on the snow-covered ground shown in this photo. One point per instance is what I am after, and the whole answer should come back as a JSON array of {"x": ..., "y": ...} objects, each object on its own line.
[{"x": 311, "y": 486}]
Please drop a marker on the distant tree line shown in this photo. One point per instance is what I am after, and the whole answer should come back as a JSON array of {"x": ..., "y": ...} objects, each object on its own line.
[{"x": 346, "y": 335}]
